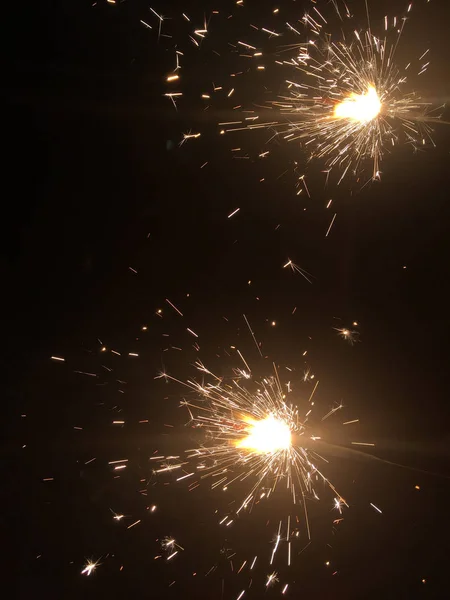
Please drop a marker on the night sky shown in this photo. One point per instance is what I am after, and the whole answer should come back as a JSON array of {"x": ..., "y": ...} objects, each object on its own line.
[{"x": 95, "y": 182}]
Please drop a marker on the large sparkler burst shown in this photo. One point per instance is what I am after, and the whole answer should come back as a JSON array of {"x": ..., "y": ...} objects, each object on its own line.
[
  {"x": 347, "y": 102},
  {"x": 344, "y": 98},
  {"x": 256, "y": 437}
]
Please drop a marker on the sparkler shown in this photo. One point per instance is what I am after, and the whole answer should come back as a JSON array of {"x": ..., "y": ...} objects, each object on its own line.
[
  {"x": 348, "y": 103},
  {"x": 345, "y": 101},
  {"x": 252, "y": 436}
]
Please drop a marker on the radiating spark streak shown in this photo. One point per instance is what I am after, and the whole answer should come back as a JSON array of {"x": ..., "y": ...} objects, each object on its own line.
[
  {"x": 376, "y": 508},
  {"x": 362, "y": 444},
  {"x": 174, "y": 307},
  {"x": 189, "y": 136},
  {"x": 168, "y": 468},
  {"x": 233, "y": 213},
  {"x": 58, "y": 358},
  {"x": 185, "y": 476},
  {"x": 349, "y": 422},
  {"x": 244, "y": 361},
  {"x": 253, "y": 335},
  {"x": 133, "y": 524},
  {"x": 296, "y": 269},
  {"x": 332, "y": 411},
  {"x": 242, "y": 566},
  {"x": 331, "y": 225}
]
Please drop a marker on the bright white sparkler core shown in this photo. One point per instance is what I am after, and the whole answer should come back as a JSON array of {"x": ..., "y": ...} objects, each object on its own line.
[
  {"x": 266, "y": 436},
  {"x": 359, "y": 107}
]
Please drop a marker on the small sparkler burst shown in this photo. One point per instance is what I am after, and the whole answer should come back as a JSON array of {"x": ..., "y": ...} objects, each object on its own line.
[
  {"x": 346, "y": 101},
  {"x": 256, "y": 437},
  {"x": 90, "y": 567},
  {"x": 170, "y": 546},
  {"x": 347, "y": 334}
]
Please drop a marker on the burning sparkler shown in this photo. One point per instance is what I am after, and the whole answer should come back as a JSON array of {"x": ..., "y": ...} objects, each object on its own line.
[
  {"x": 255, "y": 436},
  {"x": 355, "y": 107},
  {"x": 345, "y": 99}
]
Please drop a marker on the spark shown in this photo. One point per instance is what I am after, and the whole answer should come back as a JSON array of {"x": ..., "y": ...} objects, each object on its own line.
[
  {"x": 347, "y": 334},
  {"x": 296, "y": 269},
  {"x": 173, "y": 305},
  {"x": 331, "y": 225},
  {"x": 89, "y": 567},
  {"x": 189, "y": 136},
  {"x": 171, "y": 547},
  {"x": 376, "y": 508},
  {"x": 271, "y": 579}
]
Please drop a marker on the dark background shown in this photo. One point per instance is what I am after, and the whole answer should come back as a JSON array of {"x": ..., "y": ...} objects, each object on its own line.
[{"x": 91, "y": 168}]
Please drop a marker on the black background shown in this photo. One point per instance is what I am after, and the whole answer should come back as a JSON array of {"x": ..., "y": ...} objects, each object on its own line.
[{"x": 92, "y": 167}]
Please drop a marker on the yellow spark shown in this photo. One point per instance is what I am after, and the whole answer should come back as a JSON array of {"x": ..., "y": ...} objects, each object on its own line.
[
  {"x": 359, "y": 107},
  {"x": 265, "y": 436}
]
